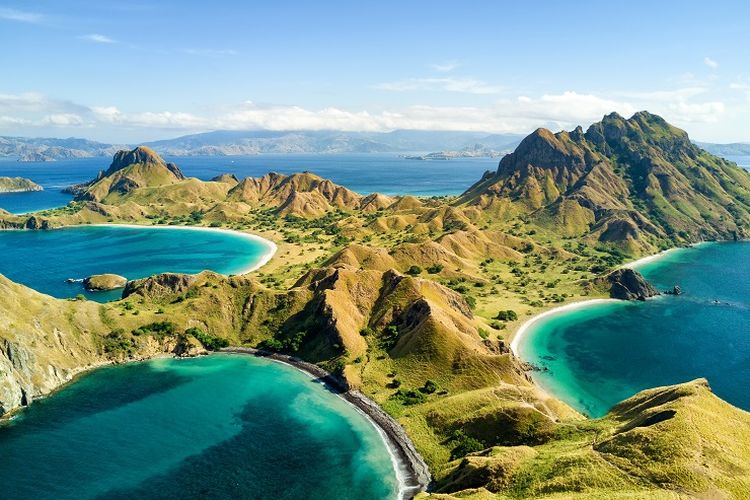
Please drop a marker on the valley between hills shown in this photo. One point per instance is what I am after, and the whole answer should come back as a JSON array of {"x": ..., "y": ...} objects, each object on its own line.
[{"x": 414, "y": 301}]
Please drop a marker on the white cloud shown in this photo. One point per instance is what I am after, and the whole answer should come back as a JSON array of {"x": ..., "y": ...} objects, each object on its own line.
[
  {"x": 703, "y": 112},
  {"x": 445, "y": 67},
  {"x": 63, "y": 120},
  {"x": 460, "y": 85},
  {"x": 20, "y": 16},
  {"x": 710, "y": 63},
  {"x": 568, "y": 107},
  {"x": 6, "y": 121},
  {"x": 97, "y": 38},
  {"x": 520, "y": 114}
]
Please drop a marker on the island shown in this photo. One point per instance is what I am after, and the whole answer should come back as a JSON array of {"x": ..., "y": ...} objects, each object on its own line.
[
  {"x": 412, "y": 303},
  {"x": 476, "y": 151},
  {"x": 104, "y": 282},
  {"x": 18, "y": 185}
]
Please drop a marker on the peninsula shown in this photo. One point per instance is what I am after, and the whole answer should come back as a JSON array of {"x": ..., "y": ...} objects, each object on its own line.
[{"x": 18, "y": 185}]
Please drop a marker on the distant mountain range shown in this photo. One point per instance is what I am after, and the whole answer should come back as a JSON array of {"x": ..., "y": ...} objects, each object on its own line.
[
  {"x": 732, "y": 149},
  {"x": 49, "y": 149},
  {"x": 255, "y": 142},
  {"x": 229, "y": 142},
  {"x": 224, "y": 142}
]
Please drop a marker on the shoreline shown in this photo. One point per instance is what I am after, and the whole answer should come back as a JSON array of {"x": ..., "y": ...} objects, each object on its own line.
[
  {"x": 522, "y": 330},
  {"x": 411, "y": 470},
  {"x": 517, "y": 335}
]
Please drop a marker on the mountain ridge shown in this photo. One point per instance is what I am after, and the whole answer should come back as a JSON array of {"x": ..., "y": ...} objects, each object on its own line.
[{"x": 631, "y": 183}]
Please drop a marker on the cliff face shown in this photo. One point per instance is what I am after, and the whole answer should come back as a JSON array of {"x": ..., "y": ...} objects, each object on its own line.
[
  {"x": 631, "y": 183},
  {"x": 43, "y": 343}
]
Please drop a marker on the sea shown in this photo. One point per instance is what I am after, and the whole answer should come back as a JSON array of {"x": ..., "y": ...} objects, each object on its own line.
[
  {"x": 47, "y": 260},
  {"x": 222, "y": 426},
  {"x": 597, "y": 356}
]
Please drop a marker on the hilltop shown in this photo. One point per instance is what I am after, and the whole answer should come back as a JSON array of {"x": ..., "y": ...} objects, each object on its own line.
[
  {"x": 638, "y": 184},
  {"x": 413, "y": 301}
]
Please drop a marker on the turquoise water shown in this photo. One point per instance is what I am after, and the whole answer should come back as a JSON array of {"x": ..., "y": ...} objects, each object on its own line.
[
  {"x": 363, "y": 173},
  {"x": 44, "y": 260},
  {"x": 602, "y": 354},
  {"x": 215, "y": 427}
]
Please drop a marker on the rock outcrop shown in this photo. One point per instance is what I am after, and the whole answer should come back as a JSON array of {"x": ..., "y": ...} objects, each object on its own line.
[
  {"x": 104, "y": 282},
  {"x": 628, "y": 284},
  {"x": 158, "y": 285}
]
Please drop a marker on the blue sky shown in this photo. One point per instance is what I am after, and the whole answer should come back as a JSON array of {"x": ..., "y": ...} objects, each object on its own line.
[{"x": 137, "y": 70}]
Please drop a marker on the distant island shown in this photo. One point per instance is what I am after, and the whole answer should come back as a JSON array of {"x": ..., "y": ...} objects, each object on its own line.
[
  {"x": 731, "y": 149},
  {"x": 475, "y": 151},
  {"x": 18, "y": 185},
  {"x": 253, "y": 142},
  {"x": 444, "y": 144}
]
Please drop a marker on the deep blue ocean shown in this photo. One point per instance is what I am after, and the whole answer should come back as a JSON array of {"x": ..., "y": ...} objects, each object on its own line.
[
  {"x": 44, "y": 260},
  {"x": 363, "y": 173},
  {"x": 215, "y": 427},
  {"x": 602, "y": 354}
]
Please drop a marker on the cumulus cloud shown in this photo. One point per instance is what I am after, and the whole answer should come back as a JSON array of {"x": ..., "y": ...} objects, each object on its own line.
[
  {"x": 518, "y": 114},
  {"x": 461, "y": 85},
  {"x": 568, "y": 107},
  {"x": 97, "y": 38},
  {"x": 710, "y": 63},
  {"x": 63, "y": 120}
]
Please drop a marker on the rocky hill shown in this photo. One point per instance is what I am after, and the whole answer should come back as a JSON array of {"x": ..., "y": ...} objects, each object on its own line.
[
  {"x": 130, "y": 170},
  {"x": 142, "y": 177},
  {"x": 638, "y": 184}
]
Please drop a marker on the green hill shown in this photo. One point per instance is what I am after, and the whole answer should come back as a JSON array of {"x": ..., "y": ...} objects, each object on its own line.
[{"x": 637, "y": 184}]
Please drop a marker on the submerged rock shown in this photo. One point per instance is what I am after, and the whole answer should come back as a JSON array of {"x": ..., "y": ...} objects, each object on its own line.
[
  {"x": 104, "y": 282},
  {"x": 628, "y": 284}
]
